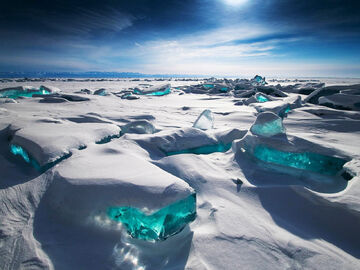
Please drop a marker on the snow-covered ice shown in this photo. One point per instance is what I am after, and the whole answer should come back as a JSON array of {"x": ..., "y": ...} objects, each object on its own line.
[{"x": 181, "y": 174}]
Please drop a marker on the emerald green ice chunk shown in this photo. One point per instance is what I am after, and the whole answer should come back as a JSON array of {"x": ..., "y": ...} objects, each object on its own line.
[
  {"x": 203, "y": 150},
  {"x": 305, "y": 161},
  {"x": 261, "y": 98},
  {"x": 14, "y": 94},
  {"x": 158, "y": 225}
]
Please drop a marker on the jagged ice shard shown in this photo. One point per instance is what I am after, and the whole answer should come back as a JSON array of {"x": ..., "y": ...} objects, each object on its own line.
[
  {"x": 306, "y": 161},
  {"x": 158, "y": 225},
  {"x": 205, "y": 120},
  {"x": 267, "y": 124}
]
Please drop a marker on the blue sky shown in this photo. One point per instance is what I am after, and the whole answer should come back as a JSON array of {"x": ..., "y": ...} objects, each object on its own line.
[{"x": 207, "y": 37}]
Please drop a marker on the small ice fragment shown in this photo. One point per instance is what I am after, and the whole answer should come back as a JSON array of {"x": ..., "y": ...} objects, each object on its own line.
[
  {"x": 267, "y": 124},
  {"x": 261, "y": 98},
  {"x": 139, "y": 127},
  {"x": 100, "y": 92},
  {"x": 205, "y": 120},
  {"x": 259, "y": 80}
]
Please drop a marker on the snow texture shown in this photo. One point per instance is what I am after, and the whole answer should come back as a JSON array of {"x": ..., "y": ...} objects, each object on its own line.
[{"x": 277, "y": 183}]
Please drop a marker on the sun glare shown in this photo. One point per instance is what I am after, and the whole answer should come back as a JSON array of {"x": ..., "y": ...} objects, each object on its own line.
[{"x": 235, "y": 2}]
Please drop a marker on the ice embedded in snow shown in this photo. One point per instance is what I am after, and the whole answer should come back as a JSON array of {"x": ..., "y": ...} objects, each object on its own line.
[
  {"x": 205, "y": 120},
  {"x": 101, "y": 92},
  {"x": 154, "y": 90},
  {"x": 305, "y": 160},
  {"x": 25, "y": 91},
  {"x": 138, "y": 127},
  {"x": 261, "y": 97},
  {"x": 267, "y": 124},
  {"x": 112, "y": 179},
  {"x": 259, "y": 80},
  {"x": 158, "y": 225}
]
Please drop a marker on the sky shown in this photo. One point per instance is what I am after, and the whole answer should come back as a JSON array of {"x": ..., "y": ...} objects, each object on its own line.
[{"x": 315, "y": 38}]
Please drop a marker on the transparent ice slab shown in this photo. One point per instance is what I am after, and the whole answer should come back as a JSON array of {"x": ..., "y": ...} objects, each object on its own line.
[
  {"x": 268, "y": 129},
  {"x": 204, "y": 121},
  {"x": 158, "y": 225},
  {"x": 305, "y": 161}
]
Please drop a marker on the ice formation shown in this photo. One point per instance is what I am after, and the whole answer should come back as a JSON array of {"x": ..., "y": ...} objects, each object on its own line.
[
  {"x": 138, "y": 127},
  {"x": 18, "y": 150},
  {"x": 306, "y": 161},
  {"x": 259, "y": 80},
  {"x": 203, "y": 150},
  {"x": 261, "y": 98},
  {"x": 154, "y": 90},
  {"x": 159, "y": 225},
  {"x": 205, "y": 121},
  {"x": 24, "y": 92},
  {"x": 267, "y": 124},
  {"x": 101, "y": 92}
]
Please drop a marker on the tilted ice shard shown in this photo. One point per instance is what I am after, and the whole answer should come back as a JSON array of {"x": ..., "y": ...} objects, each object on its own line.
[
  {"x": 306, "y": 161},
  {"x": 205, "y": 120},
  {"x": 158, "y": 225},
  {"x": 267, "y": 124}
]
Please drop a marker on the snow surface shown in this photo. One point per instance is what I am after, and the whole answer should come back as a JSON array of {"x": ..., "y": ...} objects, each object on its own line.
[{"x": 250, "y": 215}]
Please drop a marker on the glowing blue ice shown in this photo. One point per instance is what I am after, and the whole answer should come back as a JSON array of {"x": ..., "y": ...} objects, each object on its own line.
[
  {"x": 267, "y": 124},
  {"x": 158, "y": 225},
  {"x": 16, "y": 93},
  {"x": 305, "y": 161},
  {"x": 154, "y": 91},
  {"x": 261, "y": 98},
  {"x": 18, "y": 150},
  {"x": 203, "y": 150}
]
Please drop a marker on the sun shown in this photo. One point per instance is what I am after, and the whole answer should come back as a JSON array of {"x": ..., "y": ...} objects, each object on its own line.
[{"x": 235, "y": 2}]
